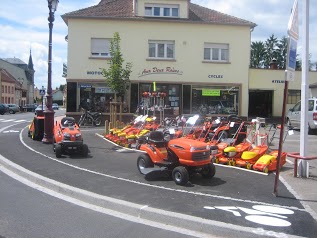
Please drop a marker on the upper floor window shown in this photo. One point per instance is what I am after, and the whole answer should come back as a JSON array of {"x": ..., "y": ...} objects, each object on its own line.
[
  {"x": 100, "y": 47},
  {"x": 161, "y": 10},
  {"x": 162, "y": 49},
  {"x": 216, "y": 52}
]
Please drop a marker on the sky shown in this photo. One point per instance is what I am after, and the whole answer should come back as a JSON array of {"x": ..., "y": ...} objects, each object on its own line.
[{"x": 24, "y": 27}]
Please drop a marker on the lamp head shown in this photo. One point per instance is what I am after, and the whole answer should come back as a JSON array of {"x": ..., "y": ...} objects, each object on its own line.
[{"x": 52, "y": 4}]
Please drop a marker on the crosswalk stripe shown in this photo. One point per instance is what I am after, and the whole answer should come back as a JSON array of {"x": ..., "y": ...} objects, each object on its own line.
[{"x": 12, "y": 120}]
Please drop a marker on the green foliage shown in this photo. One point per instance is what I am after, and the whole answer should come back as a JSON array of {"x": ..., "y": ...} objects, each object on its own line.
[
  {"x": 117, "y": 77},
  {"x": 263, "y": 53}
]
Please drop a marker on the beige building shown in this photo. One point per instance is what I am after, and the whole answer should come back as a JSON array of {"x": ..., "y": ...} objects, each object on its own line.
[{"x": 197, "y": 57}]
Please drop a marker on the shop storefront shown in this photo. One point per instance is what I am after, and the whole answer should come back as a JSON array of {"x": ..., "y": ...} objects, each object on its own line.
[{"x": 146, "y": 98}]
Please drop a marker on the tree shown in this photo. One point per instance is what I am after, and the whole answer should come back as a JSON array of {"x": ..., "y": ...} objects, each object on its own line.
[
  {"x": 270, "y": 50},
  {"x": 257, "y": 54},
  {"x": 117, "y": 77},
  {"x": 281, "y": 53}
]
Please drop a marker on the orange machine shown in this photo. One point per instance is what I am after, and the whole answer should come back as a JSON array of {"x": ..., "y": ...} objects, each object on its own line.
[
  {"x": 68, "y": 138},
  {"x": 179, "y": 157}
]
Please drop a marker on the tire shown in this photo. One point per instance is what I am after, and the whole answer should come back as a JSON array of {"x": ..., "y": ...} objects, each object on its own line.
[
  {"x": 33, "y": 136},
  {"x": 58, "y": 151},
  {"x": 97, "y": 121},
  {"x": 54, "y": 144},
  {"x": 288, "y": 123},
  {"x": 208, "y": 171},
  {"x": 180, "y": 175},
  {"x": 265, "y": 169},
  {"x": 85, "y": 150},
  {"x": 223, "y": 135},
  {"x": 144, "y": 161},
  {"x": 249, "y": 166}
]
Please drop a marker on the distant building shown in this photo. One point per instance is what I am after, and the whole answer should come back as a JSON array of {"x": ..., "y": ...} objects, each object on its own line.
[
  {"x": 11, "y": 89},
  {"x": 23, "y": 73},
  {"x": 58, "y": 96}
]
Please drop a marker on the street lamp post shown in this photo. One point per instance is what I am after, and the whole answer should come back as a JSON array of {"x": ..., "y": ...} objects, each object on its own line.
[{"x": 49, "y": 113}]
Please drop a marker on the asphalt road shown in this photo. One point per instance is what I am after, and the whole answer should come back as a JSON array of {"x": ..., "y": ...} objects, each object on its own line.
[{"x": 234, "y": 200}]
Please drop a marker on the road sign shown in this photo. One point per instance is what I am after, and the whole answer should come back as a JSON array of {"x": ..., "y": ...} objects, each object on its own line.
[
  {"x": 291, "y": 59},
  {"x": 292, "y": 29},
  {"x": 42, "y": 92}
]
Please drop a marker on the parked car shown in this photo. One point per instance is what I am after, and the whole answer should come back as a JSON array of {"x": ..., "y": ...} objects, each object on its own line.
[
  {"x": 55, "y": 106},
  {"x": 29, "y": 107},
  {"x": 293, "y": 117},
  {"x": 3, "y": 108},
  {"x": 40, "y": 108},
  {"x": 13, "y": 108}
]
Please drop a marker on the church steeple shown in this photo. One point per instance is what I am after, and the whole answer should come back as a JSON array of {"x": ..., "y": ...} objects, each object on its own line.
[{"x": 30, "y": 64}]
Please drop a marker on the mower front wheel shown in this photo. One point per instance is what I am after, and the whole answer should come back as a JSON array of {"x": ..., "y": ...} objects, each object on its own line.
[
  {"x": 180, "y": 175},
  {"x": 144, "y": 161},
  {"x": 58, "y": 151},
  {"x": 85, "y": 150},
  {"x": 208, "y": 171}
]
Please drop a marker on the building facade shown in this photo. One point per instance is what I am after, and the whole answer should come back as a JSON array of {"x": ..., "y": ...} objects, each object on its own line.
[
  {"x": 185, "y": 59},
  {"x": 23, "y": 74},
  {"x": 197, "y": 57}
]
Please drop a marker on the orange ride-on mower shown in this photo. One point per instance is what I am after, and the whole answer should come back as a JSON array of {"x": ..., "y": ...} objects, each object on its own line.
[
  {"x": 36, "y": 129},
  {"x": 178, "y": 158},
  {"x": 68, "y": 138}
]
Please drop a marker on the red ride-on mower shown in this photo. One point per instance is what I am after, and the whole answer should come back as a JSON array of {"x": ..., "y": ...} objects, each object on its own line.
[
  {"x": 68, "y": 138},
  {"x": 179, "y": 157}
]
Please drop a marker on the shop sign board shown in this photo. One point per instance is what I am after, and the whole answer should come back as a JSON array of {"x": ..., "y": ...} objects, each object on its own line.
[{"x": 210, "y": 92}]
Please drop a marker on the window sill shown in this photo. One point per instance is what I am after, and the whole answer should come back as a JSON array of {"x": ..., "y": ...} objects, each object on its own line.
[
  {"x": 158, "y": 59},
  {"x": 99, "y": 58},
  {"x": 215, "y": 62}
]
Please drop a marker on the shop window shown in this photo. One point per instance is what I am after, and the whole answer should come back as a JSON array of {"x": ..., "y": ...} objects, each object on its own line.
[
  {"x": 161, "y": 49},
  {"x": 215, "y": 100},
  {"x": 216, "y": 52},
  {"x": 155, "y": 10},
  {"x": 293, "y": 96},
  {"x": 134, "y": 97},
  {"x": 100, "y": 47},
  {"x": 95, "y": 97},
  {"x": 165, "y": 97}
]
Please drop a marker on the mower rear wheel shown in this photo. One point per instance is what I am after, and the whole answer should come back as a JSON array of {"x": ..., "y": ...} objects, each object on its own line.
[
  {"x": 85, "y": 150},
  {"x": 144, "y": 161},
  {"x": 180, "y": 175},
  {"x": 58, "y": 151},
  {"x": 208, "y": 171}
]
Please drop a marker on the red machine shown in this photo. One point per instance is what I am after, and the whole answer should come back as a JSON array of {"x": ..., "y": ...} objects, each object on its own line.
[
  {"x": 179, "y": 157},
  {"x": 68, "y": 138}
]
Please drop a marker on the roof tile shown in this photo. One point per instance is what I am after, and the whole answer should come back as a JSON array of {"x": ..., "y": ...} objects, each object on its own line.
[{"x": 124, "y": 9}]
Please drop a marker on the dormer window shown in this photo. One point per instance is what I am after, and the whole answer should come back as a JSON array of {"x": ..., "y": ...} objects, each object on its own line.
[{"x": 152, "y": 10}]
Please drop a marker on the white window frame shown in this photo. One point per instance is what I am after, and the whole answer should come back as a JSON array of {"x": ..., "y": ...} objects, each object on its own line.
[
  {"x": 157, "y": 44},
  {"x": 100, "y": 47},
  {"x": 149, "y": 10},
  {"x": 217, "y": 52}
]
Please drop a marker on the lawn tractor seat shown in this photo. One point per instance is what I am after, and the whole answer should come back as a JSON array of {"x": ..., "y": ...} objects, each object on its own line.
[
  {"x": 68, "y": 122},
  {"x": 157, "y": 138}
]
